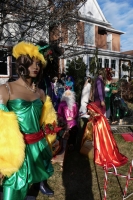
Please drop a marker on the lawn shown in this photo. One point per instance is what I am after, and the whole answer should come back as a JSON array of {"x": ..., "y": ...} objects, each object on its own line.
[{"x": 80, "y": 179}]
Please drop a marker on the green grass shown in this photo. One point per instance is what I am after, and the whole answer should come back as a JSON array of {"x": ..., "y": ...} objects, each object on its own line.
[{"x": 82, "y": 180}]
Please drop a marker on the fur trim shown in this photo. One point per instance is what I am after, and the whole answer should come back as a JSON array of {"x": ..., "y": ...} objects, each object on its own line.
[
  {"x": 48, "y": 117},
  {"x": 48, "y": 112},
  {"x": 12, "y": 146}
]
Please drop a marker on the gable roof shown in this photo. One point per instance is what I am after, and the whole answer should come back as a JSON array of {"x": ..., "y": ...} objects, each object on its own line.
[
  {"x": 92, "y": 9},
  {"x": 92, "y": 12}
]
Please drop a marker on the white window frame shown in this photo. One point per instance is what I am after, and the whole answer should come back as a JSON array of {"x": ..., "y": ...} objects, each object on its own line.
[{"x": 109, "y": 41}]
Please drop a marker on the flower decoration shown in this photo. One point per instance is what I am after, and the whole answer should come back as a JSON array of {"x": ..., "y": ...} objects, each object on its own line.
[
  {"x": 51, "y": 128},
  {"x": 49, "y": 52},
  {"x": 67, "y": 87}
]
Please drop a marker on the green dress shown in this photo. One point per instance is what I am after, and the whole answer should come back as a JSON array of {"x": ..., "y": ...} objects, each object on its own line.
[{"x": 37, "y": 163}]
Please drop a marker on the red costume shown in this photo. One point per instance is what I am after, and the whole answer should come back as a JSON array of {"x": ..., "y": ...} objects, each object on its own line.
[{"x": 106, "y": 151}]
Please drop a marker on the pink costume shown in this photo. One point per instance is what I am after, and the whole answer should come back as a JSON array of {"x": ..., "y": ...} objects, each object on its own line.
[{"x": 66, "y": 113}]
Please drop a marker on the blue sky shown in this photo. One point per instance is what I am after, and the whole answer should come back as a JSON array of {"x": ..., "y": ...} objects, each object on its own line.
[{"x": 120, "y": 14}]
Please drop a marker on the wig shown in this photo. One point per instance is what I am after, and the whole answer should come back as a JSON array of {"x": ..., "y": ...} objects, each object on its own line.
[
  {"x": 25, "y": 48},
  {"x": 22, "y": 64},
  {"x": 69, "y": 97},
  {"x": 25, "y": 52}
]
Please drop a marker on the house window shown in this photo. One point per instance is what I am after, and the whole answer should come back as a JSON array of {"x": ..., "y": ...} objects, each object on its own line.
[
  {"x": 109, "y": 41},
  {"x": 100, "y": 62},
  {"x": 106, "y": 63},
  {"x": 72, "y": 34},
  {"x": 89, "y": 34},
  {"x": 132, "y": 69},
  {"x": 113, "y": 64},
  {"x": 14, "y": 74},
  {"x": 3, "y": 63}
]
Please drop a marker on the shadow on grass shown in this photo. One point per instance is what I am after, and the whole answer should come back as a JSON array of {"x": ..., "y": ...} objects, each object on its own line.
[{"x": 77, "y": 177}]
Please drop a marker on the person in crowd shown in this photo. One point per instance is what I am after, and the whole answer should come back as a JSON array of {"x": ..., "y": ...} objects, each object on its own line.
[
  {"x": 85, "y": 97},
  {"x": 83, "y": 114},
  {"x": 69, "y": 84},
  {"x": 51, "y": 53},
  {"x": 119, "y": 109},
  {"x": 54, "y": 81},
  {"x": 25, "y": 156},
  {"x": 68, "y": 110},
  {"x": 108, "y": 91},
  {"x": 60, "y": 88},
  {"x": 99, "y": 90},
  {"x": 54, "y": 92},
  {"x": 63, "y": 78}
]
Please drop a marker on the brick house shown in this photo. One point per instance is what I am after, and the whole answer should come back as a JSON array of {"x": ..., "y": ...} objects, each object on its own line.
[{"x": 92, "y": 31}]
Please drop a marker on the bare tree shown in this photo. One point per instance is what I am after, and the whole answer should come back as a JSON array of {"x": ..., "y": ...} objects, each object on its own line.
[{"x": 32, "y": 20}]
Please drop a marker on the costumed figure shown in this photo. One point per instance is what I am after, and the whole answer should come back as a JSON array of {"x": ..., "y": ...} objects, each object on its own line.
[
  {"x": 85, "y": 97},
  {"x": 108, "y": 91},
  {"x": 26, "y": 113},
  {"x": 83, "y": 114},
  {"x": 69, "y": 84},
  {"x": 99, "y": 90},
  {"x": 119, "y": 108},
  {"x": 54, "y": 92},
  {"x": 68, "y": 110},
  {"x": 51, "y": 53},
  {"x": 61, "y": 88},
  {"x": 106, "y": 152}
]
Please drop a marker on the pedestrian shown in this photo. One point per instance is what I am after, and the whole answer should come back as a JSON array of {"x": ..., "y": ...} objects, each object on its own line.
[
  {"x": 68, "y": 110},
  {"x": 99, "y": 90},
  {"x": 22, "y": 103}
]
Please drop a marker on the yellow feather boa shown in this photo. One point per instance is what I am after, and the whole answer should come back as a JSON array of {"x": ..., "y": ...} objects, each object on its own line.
[
  {"x": 12, "y": 146},
  {"x": 48, "y": 116}
]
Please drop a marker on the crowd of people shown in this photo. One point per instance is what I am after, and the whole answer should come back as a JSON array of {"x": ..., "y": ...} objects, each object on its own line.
[
  {"x": 36, "y": 114},
  {"x": 59, "y": 86}
]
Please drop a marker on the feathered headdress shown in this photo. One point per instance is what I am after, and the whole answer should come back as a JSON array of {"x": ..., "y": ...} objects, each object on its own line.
[{"x": 26, "y": 48}]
